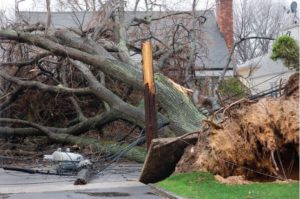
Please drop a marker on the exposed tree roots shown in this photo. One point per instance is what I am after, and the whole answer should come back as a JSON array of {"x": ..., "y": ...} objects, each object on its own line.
[{"x": 258, "y": 140}]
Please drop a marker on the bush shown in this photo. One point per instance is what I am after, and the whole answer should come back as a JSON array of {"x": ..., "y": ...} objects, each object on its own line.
[
  {"x": 287, "y": 49},
  {"x": 232, "y": 88}
]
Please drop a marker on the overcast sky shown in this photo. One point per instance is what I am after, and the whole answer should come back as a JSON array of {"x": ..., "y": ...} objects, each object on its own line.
[
  {"x": 39, "y": 5},
  {"x": 174, "y": 4},
  {"x": 8, "y": 6},
  {"x": 29, "y": 5}
]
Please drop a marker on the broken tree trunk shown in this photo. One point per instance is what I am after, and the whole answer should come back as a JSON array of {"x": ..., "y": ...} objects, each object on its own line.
[
  {"x": 149, "y": 94},
  {"x": 163, "y": 156}
]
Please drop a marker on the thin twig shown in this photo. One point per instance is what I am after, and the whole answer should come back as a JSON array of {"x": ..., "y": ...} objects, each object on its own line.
[{"x": 281, "y": 165}]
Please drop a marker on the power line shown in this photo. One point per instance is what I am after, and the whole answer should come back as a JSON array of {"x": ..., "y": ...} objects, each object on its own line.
[
  {"x": 258, "y": 172},
  {"x": 269, "y": 79}
]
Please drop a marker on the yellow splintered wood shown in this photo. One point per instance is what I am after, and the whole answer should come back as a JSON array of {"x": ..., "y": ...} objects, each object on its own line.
[{"x": 147, "y": 63}]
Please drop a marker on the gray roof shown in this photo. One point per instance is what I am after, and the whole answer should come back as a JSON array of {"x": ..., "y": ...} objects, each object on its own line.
[
  {"x": 211, "y": 48},
  {"x": 58, "y": 19},
  {"x": 215, "y": 42}
]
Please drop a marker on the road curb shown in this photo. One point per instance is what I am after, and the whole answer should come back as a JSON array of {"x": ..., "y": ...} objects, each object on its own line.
[{"x": 163, "y": 193}]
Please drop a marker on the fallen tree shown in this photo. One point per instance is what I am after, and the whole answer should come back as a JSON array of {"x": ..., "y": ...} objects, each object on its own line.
[
  {"x": 82, "y": 64},
  {"x": 170, "y": 94}
]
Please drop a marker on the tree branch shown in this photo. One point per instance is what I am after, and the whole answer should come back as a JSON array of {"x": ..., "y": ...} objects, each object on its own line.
[
  {"x": 12, "y": 98},
  {"x": 222, "y": 76},
  {"x": 32, "y": 61},
  {"x": 44, "y": 87}
]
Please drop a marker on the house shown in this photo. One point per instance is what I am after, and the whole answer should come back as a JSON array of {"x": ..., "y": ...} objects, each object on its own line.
[
  {"x": 262, "y": 74},
  {"x": 214, "y": 38}
]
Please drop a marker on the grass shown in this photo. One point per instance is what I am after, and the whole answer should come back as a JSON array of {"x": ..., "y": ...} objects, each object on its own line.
[{"x": 204, "y": 186}]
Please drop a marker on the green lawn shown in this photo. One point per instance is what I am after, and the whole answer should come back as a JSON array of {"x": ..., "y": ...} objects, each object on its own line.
[{"x": 204, "y": 186}]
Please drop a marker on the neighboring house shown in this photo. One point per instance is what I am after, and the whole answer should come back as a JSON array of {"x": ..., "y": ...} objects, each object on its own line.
[
  {"x": 264, "y": 74},
  {"x": 214, "y": 38}
]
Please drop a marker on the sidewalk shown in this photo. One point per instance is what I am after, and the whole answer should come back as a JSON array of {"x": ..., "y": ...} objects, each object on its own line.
[{"x": 120, "y": 181}]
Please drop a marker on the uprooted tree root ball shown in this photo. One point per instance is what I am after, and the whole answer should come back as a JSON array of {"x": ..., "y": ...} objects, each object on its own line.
[{"x": 257, "y": 140}]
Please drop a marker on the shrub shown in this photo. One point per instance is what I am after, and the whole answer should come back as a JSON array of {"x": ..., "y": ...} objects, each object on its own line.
[
  {"x": 232, "y": 88},
  {"x": 287, "y": 49}
]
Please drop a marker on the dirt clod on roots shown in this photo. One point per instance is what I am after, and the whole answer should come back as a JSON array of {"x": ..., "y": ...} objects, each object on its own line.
[{"x": 259, "y": 141}]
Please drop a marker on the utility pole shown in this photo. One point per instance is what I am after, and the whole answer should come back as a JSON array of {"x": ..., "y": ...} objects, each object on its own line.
[{"x": 149, "y": 93}]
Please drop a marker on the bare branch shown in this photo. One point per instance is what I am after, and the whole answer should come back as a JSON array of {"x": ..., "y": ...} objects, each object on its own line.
[
  {"x": 44, "y": 87},
  {"x": 12, "y": 98},
  {"x": 32, "y": 61},
  {"x": 221, "y": 77}
]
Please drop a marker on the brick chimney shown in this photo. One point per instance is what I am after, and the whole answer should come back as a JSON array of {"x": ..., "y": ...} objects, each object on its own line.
[{"x": 225, "y": 21}]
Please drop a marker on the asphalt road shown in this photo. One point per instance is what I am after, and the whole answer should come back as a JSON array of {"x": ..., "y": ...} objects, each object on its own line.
[{"x": 119, "y": 181}]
